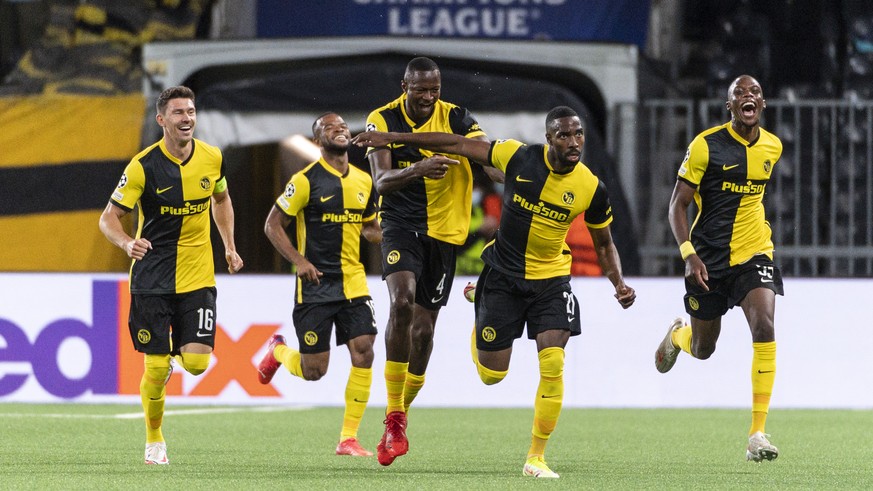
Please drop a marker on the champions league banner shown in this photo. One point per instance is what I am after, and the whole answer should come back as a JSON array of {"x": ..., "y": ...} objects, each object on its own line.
[{"x": 618, "y": 21}]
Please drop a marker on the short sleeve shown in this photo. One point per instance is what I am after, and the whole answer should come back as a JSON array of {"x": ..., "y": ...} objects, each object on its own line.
[
  {"x": 599, "y": 212},
  {"x": 695, "y": 162},
  {"x": 463, "y": 123},
  {"x": 130, "y": 186},
  {"x": 502, "y": 151},
  {"x": 371, "y": 208},
  {"x": 295, "y": 197}
]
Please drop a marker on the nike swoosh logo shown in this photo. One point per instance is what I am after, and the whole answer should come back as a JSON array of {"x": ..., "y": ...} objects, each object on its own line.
[
  {"x": 551, "y": 396},
  {"x": 435, "y": 300},
  {"x": 325, "y": 198},
  {"x": 765, "y": 371},
  {"x": 521, "y": 179},
  {"x": 356, "y": 400},
  {"x": 765, "y": 280},
  {"x": 726, "y": 167},
  {"x": 203, "y": 334},
  {"x": 159, "y": 190}
]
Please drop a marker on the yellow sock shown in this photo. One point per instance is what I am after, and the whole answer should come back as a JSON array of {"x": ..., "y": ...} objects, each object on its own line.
[
  {"x": 763, "y": 376},
  {"x": 411, "y": 387},
  {"x": 395, "y": 379},
  {"x": 193, "y": 363},
  {"x": 537, "y": 447},
  {"x": 682, "y": 338},
  {"x": 549, "y": 398},
  {"x": 152, "y": 390},
  {"x": 357, "y": 395},
  {"x": 289, "y": 357}
]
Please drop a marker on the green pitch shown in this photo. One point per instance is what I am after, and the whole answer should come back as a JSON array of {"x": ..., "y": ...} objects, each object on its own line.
[{"x": 101, "y": 447}]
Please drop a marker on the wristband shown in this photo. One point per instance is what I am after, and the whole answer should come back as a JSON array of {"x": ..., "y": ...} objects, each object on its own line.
[{"x": 686, "y": 249}]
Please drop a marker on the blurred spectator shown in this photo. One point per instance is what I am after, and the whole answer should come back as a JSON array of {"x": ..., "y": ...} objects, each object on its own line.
[
  {"x": 482, "y": 227},
  {"x": 582, "y": 249}
]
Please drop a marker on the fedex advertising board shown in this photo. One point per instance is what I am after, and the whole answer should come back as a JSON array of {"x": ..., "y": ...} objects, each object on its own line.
[{"x": 64, "y": 338}]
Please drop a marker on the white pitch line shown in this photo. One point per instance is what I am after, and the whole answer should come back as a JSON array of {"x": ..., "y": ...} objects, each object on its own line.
[{"x": 176, "y": 412}]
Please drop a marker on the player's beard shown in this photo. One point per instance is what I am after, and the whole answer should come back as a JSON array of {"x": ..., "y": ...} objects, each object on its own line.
[{"x": 335, "y": 149}]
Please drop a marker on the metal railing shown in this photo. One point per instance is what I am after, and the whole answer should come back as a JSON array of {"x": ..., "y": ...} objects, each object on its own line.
[{"x": 819, "y": 201}]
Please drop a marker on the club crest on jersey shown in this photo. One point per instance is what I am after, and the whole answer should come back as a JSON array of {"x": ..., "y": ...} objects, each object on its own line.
[
  {"x": 568, "y": 198},
  {"x": 205, "y": 183},
  {"x": 361, "y": 198},
  {"x": 767, "y": 166},
  {"x": 692, "y": 302},
  {"x": 310, "y": 338},
  {"x": 123, "y": 181},
  {"x": 289, "y": 190}
]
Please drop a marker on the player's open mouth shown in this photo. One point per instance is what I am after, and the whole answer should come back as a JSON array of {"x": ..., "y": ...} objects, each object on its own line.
[{"x": 748, "y": 109}]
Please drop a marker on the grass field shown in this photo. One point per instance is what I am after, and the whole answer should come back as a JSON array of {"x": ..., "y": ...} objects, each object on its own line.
[{"x": 101, "y": 447}]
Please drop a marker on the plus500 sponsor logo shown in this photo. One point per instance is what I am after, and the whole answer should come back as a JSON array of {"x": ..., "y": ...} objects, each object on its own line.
[{"x": 116, "y": 368}]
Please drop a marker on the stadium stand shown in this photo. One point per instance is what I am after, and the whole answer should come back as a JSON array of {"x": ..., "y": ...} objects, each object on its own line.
[
  {"x": 73, "y": 113},
  {"x": 63, "y": 59}
]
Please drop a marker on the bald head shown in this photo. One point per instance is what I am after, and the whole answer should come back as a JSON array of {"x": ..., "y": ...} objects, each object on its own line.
[{"x": 745, "y": 80}]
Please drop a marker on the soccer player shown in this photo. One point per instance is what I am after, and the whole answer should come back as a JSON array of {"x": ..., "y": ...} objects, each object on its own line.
[
  {"x": 334, "y": 205},
  {"x": 526, "y": 279},
  {"x": 728, "y": 253},
  {"x": 174, "y": 183},
  {"x": 425, "y": 216}
]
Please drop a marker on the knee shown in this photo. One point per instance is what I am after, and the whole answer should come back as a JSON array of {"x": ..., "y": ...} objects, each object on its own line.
[
  {"x": 196, "y": 363},
  {"x": 489, "y": 376},
  {"x": 158, "y": 375},
  {"x": 552, "y": 363},
  {"x": 314, "y": 373},
  {"x": 157, "y": 369},
  {"x": 313, "y": 366},
  {"x": 703, "y": 352},
  {"x": 422, "y": 328},
  {"x": 402, "y": 305}
]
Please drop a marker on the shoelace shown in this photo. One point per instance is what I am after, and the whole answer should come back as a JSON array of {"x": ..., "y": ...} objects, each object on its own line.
[{"x": 393, "y": 424}]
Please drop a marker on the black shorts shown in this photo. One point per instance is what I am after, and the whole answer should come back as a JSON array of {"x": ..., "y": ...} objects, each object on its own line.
[
  {"x": 431, "y": 260},
  {"x": 181, "y": 318},
  {"x": 730, "y": 288},
  {"x": 504, "y": 304},
  {"x": 313, "y": 322}
]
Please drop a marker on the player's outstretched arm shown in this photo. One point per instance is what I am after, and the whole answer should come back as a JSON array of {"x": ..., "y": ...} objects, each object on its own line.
[{"x": 471, "y": 148}]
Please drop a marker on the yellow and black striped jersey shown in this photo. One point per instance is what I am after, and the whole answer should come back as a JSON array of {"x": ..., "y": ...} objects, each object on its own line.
[
  {"x": 730, "y": 176},
  {"x": 439, "y": 208},
  {"x": 330, "y": 209},
  {"x": 174, "y": 215},
  {"x": 539, "y": 205}
]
